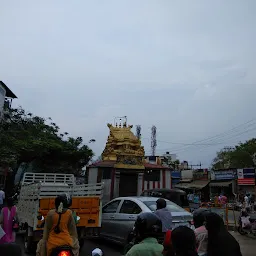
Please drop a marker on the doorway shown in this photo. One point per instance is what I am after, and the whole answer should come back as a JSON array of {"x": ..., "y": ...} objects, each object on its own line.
[{"x": 128, "y": 184}]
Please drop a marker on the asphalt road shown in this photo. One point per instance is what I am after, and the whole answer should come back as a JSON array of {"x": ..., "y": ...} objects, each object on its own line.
[
  {"x": 247, "y": 244},
  {"x": 108, "y": 248}
]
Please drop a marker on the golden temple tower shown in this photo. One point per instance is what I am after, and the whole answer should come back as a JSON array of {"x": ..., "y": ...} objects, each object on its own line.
[{"x": 124, "y": 148}]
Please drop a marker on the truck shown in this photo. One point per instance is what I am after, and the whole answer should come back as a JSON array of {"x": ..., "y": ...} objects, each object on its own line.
[{"x": 37, "y": 196}]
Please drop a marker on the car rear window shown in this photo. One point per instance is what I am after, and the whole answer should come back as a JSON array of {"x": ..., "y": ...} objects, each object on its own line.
[{"x": 172, "y": 207}]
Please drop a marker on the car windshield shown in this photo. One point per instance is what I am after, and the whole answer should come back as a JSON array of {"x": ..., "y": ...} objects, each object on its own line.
[{"x": 172, "y": 207}]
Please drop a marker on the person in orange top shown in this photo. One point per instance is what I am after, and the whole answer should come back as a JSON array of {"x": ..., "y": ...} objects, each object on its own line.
[{"x": 59, "y": 229}]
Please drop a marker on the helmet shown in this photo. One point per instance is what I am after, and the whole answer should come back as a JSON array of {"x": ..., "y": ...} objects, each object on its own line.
[
  {"x": 65, "y": 199},
  {"x": 199, "y": 217},
  {"x": 148, "y": 225}
]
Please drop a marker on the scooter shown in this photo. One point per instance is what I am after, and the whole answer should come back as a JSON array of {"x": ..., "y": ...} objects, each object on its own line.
[
  {"x": 250, "y": 226},
  {"x": 64, "y": 250}
]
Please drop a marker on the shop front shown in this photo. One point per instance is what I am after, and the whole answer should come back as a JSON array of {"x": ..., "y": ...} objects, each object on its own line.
[
  {"x": 246, "y": 180},
  {"x": 223, "y": 182}
]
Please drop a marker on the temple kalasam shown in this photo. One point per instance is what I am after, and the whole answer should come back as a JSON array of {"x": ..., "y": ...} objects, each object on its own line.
[{"x": 123, "y": 168}]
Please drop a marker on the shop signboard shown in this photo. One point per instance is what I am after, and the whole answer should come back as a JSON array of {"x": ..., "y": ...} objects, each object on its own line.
[
  {"x": 246, "y": 176},
  {"x": 224, "y": 175}
]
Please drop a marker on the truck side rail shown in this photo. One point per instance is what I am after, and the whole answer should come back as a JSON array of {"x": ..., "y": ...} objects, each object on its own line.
[
  {"x": 42, "y": 190},
  {"x": 56, "y": 178},
  {"x": 88, "y": 190}
]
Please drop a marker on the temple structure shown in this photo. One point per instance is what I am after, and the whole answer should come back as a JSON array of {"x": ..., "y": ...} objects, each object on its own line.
[{"x": 123, "y": 168}]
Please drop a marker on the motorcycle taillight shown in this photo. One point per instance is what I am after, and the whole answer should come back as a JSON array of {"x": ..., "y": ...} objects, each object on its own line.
[{"x": 64, "y": 253}]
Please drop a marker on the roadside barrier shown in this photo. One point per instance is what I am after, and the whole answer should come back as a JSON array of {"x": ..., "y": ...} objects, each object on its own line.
[{"x": 223, "y": 211}]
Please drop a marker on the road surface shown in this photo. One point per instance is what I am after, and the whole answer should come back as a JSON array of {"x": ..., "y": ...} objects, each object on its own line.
[
  {"x": 106, "y": 247},
  {"x": 247, "y": 244}
]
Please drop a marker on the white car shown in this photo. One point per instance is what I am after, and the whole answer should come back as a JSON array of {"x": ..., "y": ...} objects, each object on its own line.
[{"x": 120, "y": 214}]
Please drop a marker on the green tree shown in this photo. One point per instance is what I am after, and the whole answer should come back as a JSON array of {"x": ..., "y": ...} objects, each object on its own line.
[
  {"x": 26, "y": 138},
  {"x": 173, "y": 164},
  {"x": 241, "y": 156}
]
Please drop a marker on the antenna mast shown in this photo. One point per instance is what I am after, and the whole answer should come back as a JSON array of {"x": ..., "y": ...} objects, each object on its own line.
[
  {"x": 153, "y": 140},
  {"x": 138, "y": 131}
]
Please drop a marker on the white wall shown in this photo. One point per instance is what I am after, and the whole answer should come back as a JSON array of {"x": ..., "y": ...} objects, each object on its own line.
[
  {"x": 92, "y": 175},
  {"x": 140, "y": 180},
  {"x": 167, "y": 179},
  {"x": 187, "y": 174},
  {"x": 107, "y": 190},
  {"x": 2, "y": 98}
]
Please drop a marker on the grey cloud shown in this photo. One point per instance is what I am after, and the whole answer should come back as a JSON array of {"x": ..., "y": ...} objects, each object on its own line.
[{"x": 186, "y": 66}]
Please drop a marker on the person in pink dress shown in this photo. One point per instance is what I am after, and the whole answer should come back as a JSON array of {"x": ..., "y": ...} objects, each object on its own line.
[{"x": 7, "y": 219}]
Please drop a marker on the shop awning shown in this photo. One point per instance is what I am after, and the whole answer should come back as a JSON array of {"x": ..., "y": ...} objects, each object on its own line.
[
  {"x": 220, "y": 184},
  {"x": 196, "y": 184}
]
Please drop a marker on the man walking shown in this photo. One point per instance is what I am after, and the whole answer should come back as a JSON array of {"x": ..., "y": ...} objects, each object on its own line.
[{"x": 163, "y": 214}]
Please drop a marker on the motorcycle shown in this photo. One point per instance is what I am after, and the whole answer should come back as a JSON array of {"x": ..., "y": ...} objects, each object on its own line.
[
  {"x": 64, "y": 250},
  {"x": 247, "y": 223}
]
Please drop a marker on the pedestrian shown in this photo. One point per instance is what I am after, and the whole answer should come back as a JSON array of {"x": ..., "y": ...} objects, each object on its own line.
[
  {"x": 163, "y": 214},
  {"x": 199, "y": 217},
  {"x": 220, "y": 241},
  {"x": 2, "y": 198},
  {"x": 182, "y": 242},
  {"x": 8, "y": 220},
  {"x": 246, "y": 201}
]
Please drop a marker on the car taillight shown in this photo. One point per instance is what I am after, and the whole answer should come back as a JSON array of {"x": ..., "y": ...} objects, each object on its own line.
[{"x": 64, "y": 253}]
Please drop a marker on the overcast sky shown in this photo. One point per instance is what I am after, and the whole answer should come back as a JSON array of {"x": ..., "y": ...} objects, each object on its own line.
[{"x": 187, "y": 67}]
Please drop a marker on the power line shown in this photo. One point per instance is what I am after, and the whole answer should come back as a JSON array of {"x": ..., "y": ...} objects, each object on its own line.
[{"x": 219, "y": 137}]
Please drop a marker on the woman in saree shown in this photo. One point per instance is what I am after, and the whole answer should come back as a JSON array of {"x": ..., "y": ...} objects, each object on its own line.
[
  {"x": 59, "y": 229},
  {"x": 8, "y": 217}
]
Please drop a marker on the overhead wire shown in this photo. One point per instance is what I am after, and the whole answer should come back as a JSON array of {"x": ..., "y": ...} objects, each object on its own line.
[{"x": 217, "y": 139}]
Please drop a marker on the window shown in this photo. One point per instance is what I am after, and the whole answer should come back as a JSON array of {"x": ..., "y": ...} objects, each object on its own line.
[
  {"x": 130, "y": 207},
  {"x": 111, "y": 207},
  {"x": 152, "y": 175},
  {"x": 172, "y": 207}
]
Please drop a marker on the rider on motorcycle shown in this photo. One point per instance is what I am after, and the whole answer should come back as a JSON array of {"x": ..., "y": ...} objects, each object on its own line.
[
  {"x": 147, "y": 227},
  {"x": 59, "y": 228},
  {"x": 199, "y": 218}
]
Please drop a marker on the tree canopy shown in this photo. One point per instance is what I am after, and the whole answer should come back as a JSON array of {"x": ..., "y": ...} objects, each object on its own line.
[
  {"x": 26, "y": 138},
  {"x": 241, "y": 156}
]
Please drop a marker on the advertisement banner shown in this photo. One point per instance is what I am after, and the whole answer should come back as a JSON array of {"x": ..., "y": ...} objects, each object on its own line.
[
  {"x": 225, "y": 175},
  {"x": 246, "y": 176}
]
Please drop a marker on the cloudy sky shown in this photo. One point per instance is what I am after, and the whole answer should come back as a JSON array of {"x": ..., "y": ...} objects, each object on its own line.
[{"x": 187, "y": 67}]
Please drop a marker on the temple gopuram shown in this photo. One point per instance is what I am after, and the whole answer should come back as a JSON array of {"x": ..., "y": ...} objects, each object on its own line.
[{"x": 123, "y": 168}]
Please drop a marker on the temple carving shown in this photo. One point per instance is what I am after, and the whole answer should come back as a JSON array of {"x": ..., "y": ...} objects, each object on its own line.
[{"x": 124, "y": 148}]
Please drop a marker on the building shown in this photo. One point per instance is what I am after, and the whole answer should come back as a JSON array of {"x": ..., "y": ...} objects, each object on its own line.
[
  {"x": 123, "y": 167},
  {"x": 6, "y": 96},
  {"x": 195, "y": 181},
  {"x": 223, "y": 181},
  {"x": 246, "y": 180}
]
